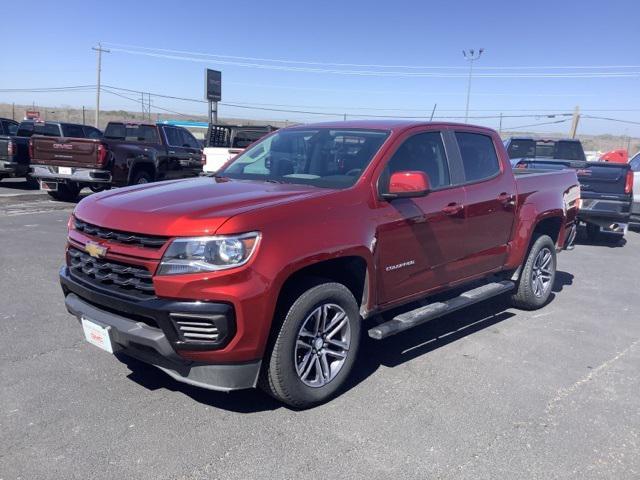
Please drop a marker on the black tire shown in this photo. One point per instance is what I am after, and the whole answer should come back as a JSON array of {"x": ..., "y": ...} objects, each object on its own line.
[
  {"x": 280, "y": 377},
  {"x": 529, "y": 295},
  {"x": 141, "y": 177},
  {"x": 593, "y": 232},
  {"x": 32, "y": 182},
  {"x": 67, "y": 192}
]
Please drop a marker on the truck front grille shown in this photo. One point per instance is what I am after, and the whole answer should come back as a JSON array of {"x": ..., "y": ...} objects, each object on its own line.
[
  {"x": 130, "y": 280},
  {"x": 141, "y": 240}
]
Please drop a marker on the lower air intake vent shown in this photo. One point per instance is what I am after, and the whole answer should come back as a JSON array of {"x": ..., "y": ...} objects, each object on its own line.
[{"x": 196, "y": 327}]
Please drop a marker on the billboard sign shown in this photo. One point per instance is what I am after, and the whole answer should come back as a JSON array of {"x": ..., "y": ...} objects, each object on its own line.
[{"x": 213, "y": 85}]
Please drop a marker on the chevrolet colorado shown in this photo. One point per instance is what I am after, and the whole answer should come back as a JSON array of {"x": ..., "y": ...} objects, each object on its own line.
[
  {"x": 129, "y": 153},
  {"x": 607, "y": 187},
  {"x": 267, "y": 273}
]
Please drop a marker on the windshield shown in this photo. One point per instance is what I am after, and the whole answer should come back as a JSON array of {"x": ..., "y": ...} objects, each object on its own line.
[{"x": 323, "y": 157}]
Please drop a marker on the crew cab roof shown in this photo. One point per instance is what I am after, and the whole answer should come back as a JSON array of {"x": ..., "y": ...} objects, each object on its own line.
[{"x": 390, "y": 124}]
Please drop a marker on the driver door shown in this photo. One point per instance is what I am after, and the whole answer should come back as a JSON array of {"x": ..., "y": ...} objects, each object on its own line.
[{"x": 420, "y": 239}]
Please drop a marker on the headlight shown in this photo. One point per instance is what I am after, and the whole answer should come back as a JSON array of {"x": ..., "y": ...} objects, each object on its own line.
[{"x": 208, "y": 254}]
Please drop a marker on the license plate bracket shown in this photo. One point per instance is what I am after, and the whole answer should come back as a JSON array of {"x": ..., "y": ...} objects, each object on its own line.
[{"x": 97, "y": 335}]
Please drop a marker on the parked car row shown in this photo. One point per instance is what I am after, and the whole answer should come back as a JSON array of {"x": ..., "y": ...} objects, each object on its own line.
[{"x": 66, "y": 157}]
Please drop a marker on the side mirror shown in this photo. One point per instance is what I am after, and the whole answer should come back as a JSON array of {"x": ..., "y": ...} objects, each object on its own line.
[{"x": 407, "y": 184}]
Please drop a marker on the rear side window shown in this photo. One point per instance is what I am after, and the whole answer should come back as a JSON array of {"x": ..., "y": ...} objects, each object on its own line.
[
  {"x": 188, "y": 139},
  {"x": 423, "y": 152},
  {"x": 9, "y": 128},
  {"x": 635, "y": 163},
  {"x": 522, "y": 149},
  {"x": 478, "y": 156},
  {"x": 25, "y": 129},
  {"x": 74, "y": 131},
  {"x": 173, "y": 136},
  {"x": 90, "y": 132},
  {"x": 244, "y": 138}
]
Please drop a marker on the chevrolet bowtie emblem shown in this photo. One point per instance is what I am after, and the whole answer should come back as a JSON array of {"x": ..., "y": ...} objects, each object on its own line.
[{"x": 95, "y": 249}]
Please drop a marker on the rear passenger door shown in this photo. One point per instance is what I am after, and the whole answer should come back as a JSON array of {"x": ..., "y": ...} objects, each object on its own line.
[{"x": 490, "y": 203}]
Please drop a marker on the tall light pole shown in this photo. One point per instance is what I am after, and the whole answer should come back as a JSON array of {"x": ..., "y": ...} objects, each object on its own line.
[
  {"x": 471, "y": 56},
  {"x": 98, "y": 49}
]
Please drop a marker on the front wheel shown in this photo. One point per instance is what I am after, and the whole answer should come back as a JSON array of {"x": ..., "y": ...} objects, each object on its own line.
[
  {"x": 315, "y": 347},
  {"x": 537, "y": 276}
]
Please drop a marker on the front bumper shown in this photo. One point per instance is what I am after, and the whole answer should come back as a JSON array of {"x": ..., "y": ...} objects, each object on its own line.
[
  {"x": 81, "y": 175},
  {"x": 134, "y": 332}
]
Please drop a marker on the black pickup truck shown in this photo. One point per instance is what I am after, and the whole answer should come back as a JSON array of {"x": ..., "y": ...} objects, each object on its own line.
[
  {"x": 606, "y": 189},
  {"x": 128, "y": 154},
  {"x": 16, "y": 138},
  {"x": 14, "y": 160}
]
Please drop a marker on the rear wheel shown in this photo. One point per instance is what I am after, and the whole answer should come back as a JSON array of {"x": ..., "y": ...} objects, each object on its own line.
[
  {"x": 141, "y": 177},
  {"x": 537, "y": 276},
  {"x": 67, "y": 192},
  {"x": 315, "y": 347}
]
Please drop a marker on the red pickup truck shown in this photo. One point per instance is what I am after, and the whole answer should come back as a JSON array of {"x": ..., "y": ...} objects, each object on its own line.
[{"x": 267, "y": 273}]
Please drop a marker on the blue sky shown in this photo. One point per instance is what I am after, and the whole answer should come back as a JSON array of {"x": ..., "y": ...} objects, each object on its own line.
[{"x": 51, "y": 47}]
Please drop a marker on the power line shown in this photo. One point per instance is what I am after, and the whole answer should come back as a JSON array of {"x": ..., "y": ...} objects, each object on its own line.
[
  {"x": 536, "y": 124},
  {"x": 361, "y": 65},
  {"x": 372, "y": 73}
]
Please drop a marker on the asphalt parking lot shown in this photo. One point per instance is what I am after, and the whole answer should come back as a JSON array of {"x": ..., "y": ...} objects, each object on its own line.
[{"x": 487, "y": 392}]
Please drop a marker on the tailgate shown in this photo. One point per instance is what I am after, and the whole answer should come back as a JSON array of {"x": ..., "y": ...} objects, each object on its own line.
[
  {"x": 602, "y": 177},
  {"x": 66, "y": 152}
]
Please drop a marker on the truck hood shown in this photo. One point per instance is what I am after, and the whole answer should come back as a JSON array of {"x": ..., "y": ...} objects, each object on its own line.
[{"x": 185, "y": 207}]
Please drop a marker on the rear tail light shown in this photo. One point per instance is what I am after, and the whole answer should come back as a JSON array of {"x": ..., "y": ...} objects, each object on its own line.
[
  {"x": 30, "y": 148},
  {"x": 628, "y": 184},
  {"x": 12, "y": 148},
  {"x": 102, "y": 154}
]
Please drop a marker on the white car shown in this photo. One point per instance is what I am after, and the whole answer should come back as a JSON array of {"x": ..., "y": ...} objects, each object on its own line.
[{"x": 223, "y": 142}]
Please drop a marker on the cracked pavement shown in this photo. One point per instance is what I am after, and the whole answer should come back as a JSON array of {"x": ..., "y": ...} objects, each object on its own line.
[{"x": 488, "y": 392}]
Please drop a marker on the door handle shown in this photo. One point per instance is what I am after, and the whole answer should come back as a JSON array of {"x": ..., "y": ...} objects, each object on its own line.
[
  {"x": 452, "y": 209},
  {"x": 171, "y": 152},
  {"x": 507, "y": 199}
]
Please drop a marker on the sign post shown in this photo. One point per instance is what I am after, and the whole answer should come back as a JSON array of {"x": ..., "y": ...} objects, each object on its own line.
[{"x": 213, "y": 92}]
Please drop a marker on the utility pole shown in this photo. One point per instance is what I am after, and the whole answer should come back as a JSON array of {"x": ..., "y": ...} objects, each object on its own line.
[
  {"x": 98, "y": 49},
  {"x": 500, "y": 127},
  {"x": 433, "y": 112},
  {"x": 83, "y": 121},
  {"x": 574, "y": 122},
  {"x": 471, "y": 56},
  {"x": 13, "y": 111}
]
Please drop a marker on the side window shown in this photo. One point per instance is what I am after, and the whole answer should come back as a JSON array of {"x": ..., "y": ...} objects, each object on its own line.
[
  {"x": 74, "y": 131},
  {"x": 423, "y": 152},
  {"x": 90, "y": 132},
  {"x": 188, "y": 139},
  {"x": 173, "y": 136},
  {"x": 635, "y": 163},
  {"x": 25, "y": 129},
  {"x": 478, "y": 156}
]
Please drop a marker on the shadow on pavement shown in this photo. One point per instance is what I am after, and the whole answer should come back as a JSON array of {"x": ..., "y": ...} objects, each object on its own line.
[
  {"x": 390, "y": 352},
  {"x": 603, "y": 239},
  {"x": 19, "y": 184}
]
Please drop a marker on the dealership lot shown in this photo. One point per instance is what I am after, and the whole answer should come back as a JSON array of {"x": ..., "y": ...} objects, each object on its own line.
[{"x": 488, "y": 392}]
